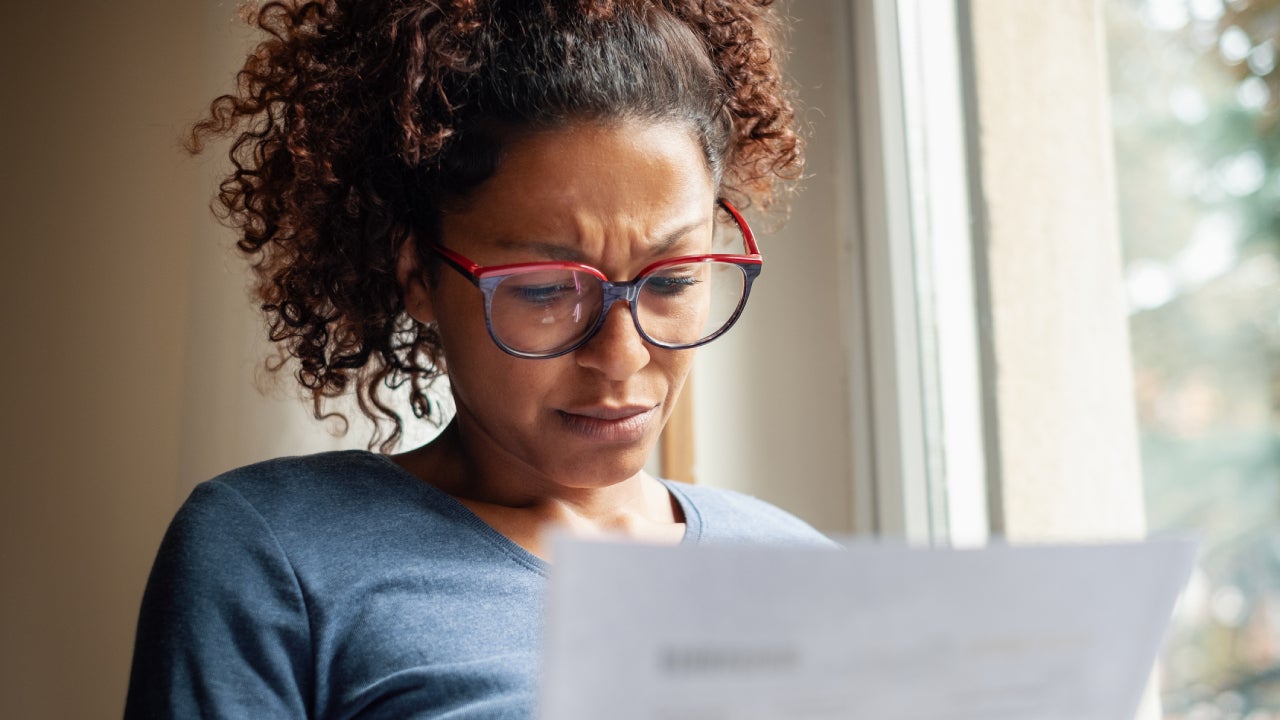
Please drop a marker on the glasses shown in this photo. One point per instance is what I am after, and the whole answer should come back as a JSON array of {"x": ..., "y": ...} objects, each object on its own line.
[{"x": 548, "y": 309}]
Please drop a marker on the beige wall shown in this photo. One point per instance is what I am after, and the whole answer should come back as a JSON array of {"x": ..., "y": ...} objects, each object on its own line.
[
  {"x": 95, "y": 232},
  {"x": 771, "y": 397},
  {"x": 1059, "y": 382},
  {"x": 129, "y": 349},
  {"x": 1059, "y": 349}
]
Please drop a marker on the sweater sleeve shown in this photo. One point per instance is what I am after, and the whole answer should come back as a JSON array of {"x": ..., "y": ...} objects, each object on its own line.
[{"x": 223, "y": 631}]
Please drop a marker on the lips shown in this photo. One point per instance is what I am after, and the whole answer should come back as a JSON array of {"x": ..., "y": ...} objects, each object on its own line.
[
  {"x": 604, "y": 412},
  {"x": 626, "y": 423}
]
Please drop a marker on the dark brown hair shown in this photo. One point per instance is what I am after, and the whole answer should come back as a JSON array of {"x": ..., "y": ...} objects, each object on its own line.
[{"x": 355, "y": 120}]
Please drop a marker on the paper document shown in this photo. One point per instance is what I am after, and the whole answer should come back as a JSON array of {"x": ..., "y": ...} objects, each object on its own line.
[{"x": 749, "y": 632}]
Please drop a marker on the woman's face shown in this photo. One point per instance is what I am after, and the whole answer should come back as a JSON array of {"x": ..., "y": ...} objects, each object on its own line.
[{"x": 617, "y": 197}]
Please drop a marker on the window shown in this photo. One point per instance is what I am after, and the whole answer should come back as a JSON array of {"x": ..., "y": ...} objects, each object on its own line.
[
  {"x": 1189, "y": 266},
  {"x": 1196, "y": 115}
]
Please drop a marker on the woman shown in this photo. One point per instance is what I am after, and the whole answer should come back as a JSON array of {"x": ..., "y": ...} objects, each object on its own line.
[{"x": 533, "y": 197}]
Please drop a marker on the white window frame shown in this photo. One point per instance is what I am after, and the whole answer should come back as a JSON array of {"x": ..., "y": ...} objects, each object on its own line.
[{"x": 918, "y": 449}]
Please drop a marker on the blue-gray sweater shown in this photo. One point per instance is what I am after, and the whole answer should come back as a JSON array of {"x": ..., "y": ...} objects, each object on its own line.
[{"x": 340, "y": 586}]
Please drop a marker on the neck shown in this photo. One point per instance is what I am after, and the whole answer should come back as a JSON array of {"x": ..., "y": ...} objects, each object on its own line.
[{"x": 523, "y": 503}]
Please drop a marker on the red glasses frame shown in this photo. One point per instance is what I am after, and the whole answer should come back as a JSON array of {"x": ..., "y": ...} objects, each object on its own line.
[{"x": 486, "y": 278}]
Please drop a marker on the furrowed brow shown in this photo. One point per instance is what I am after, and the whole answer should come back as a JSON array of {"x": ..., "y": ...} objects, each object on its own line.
[
  {"x": 548, "y": 250},
  {"x": 671, "y": 239},
  {"x": 565, "y": 253}
]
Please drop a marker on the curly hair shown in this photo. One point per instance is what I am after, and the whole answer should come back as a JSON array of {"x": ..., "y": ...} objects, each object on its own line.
[{"x": 355, "y": 120}]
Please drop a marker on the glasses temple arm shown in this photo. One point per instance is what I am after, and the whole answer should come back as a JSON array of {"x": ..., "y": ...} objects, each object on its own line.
[
  {"x": 747, "y": 235},
  {"x": 455, "y": 261}
]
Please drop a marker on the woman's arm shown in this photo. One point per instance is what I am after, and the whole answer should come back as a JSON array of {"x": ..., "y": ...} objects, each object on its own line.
[{"x": 223, "y": 631}]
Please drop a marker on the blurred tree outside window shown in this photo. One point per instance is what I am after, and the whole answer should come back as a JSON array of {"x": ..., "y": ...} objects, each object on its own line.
[{"x": 1196, "y": 115}]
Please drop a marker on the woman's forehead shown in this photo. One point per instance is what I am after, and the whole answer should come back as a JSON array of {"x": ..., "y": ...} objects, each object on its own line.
[
  {"x": 637, "y": 161},
  {"x": 590, "y": 180}
]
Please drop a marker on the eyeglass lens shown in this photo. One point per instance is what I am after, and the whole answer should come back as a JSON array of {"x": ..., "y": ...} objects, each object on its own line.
[{"x": 546, "y": 311}]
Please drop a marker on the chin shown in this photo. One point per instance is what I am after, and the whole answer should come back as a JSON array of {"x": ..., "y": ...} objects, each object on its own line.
[{"x": 599, "y": 471}]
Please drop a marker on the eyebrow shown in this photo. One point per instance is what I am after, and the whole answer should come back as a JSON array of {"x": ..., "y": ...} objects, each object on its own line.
[
  {"x": 669, "y": 240},
  {"x": 564, "y": 253}
]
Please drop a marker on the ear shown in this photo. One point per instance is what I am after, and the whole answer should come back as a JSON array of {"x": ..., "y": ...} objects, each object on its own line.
[{"x": 413, "y": 284}]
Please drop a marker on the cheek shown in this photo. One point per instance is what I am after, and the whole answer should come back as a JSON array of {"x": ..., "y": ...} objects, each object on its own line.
[
  {"x": 459, "y": 314},
  {"x": 480, "y": 373},
  {"x": 676, "y": 365},
  {"x": 468, "y": 351}
]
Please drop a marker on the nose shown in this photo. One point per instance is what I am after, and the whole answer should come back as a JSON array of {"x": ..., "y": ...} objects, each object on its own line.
[{"x": 617, "y": 351}]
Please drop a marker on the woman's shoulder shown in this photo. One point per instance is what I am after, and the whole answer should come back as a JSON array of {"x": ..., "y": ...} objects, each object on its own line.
[
  {"x": 267, "y": 565},
  {"x": 335, "y": 471},
  {"x": 723, "y": 515},
  {"x": 309, "y": 505},
  {"x": 313, "y": 484}
]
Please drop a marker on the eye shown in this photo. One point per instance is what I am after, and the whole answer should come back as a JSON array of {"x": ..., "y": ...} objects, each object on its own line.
[
  {"x": 671, "y": 284},
  {"x": 543, "y": 294}
]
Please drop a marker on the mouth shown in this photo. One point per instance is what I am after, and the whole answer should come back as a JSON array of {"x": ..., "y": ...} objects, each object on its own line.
[{"x": 601, "y": 423}]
